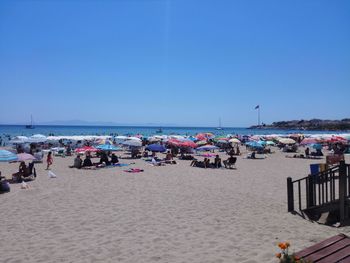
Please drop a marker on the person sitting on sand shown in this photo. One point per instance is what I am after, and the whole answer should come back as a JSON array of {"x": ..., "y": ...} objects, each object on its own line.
[
  {"x": 114, "y": 159},
  {"x": 231, "y": 161},
  {"x": 155, "y": 162},
  {"x": 252, "y": 155},
  {"x": 217, "y": 161},
  {"x": 22, "y": 169},
  {"x": 145, "y": 154},
  {"x": 78, "y": 162},
  {"x": 87, "y": 162},
  {"x": 202, "y": 164},
  {"x": 169, "y": 158},
  {"x": 104, "y": 159}
]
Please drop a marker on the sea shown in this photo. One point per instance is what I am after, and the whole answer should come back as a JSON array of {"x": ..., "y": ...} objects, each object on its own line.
[{"x": 59, "y": 130}]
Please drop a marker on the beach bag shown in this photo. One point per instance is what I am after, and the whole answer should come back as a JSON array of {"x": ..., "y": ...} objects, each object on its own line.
[
  {"x": 4, "y": 186},
  {"x": 51, "y": 175}
]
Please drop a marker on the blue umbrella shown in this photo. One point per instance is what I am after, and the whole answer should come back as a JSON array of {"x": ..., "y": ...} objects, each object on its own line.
[
  {"x": 6, "y": 156},
  {"x": 108, "y": 147},
  {"x": 156, "y": 148},
  {"x": 254, "y": 144},
  {"x": 316, "y": 146}
]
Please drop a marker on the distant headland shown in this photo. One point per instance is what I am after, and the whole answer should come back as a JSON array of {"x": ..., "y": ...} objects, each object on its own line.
[{"x": 311, "y": 125}]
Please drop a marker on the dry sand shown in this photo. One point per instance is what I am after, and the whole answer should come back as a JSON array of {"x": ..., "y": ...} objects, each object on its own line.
[{"x": 173, "y": 213}]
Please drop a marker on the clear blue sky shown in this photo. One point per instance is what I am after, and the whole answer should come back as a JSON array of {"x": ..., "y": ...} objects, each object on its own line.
[{"x": 183, "y": 62}]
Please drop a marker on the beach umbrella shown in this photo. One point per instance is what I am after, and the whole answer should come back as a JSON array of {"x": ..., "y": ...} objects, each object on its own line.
[
  {"x": 270, "y": 143},
  {"x": 255, "y": 138},
  {"x": 207, "y": 148},
  {"x": 316, "y": 146},
  {"x": 254, "y": 144},
  {"x": 234, "y": 140},
  {"x": 7, "y": 156},
  {"x": 189, "y": 144},
  {"x": 174, "y": 142},
  {"x": 204, "y": 136},
  {"x": 156, "y": 148},
  {"x": 108, "y": 147},
  {"x": 204, "y": 142},
  {"x": 309, "y": 141},
  {"x": 25, "y": 157},
  {"x": 286, "y": 141},
  {"x": 37, "y": 138},
  {"x": 336, "y": 139},
  {"x": 86, "y": 149},
  {"x": 104, "y": 141},
  {"x": 135, "y": 143},
  {"x": 19, "y": 139}
]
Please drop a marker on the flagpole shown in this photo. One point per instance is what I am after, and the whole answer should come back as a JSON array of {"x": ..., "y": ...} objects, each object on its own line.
[{"x": 259, "y": 116}]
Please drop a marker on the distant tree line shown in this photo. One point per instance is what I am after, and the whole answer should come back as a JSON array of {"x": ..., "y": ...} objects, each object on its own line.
[{"x": 313, "y": 124}]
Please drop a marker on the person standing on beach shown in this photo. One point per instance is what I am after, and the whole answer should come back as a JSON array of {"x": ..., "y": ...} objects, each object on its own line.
[{"x": 49, "y": 160}]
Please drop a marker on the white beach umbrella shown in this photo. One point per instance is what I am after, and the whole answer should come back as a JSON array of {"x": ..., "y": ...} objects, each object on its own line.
[
  {"x": 132, "y": 143},
  {"x": 19, "y": 139},
  {"x": 37, "y": 138},
  {"x": 286, "y": 141}
]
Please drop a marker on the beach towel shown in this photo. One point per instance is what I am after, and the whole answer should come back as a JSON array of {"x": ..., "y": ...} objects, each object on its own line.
[
  {"x": 133, "y": 170},
  {"x": 121, "y": 164}
]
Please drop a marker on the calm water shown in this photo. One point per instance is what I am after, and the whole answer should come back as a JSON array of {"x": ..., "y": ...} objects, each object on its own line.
[{"x": 14, "y": 130}]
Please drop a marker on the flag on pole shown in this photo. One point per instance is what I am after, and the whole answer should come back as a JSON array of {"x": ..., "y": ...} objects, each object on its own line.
[{"x": 257, "y": 107}]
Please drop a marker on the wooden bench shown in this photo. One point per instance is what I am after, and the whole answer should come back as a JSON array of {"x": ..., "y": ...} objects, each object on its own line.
[{"x": 331, "y": 250}]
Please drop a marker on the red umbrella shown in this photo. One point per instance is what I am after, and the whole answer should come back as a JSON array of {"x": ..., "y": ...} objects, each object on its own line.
[
  {"x": 86, "y": 149},
  {"x": 335, "y": 139},
  {"x": 174, "y": 142},
  {"x": 309, "y": 141},
  {"x": 189, "y": 144}
]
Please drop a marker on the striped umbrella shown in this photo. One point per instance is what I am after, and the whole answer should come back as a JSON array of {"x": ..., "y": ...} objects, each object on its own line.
[
  {"x": 108, "y": 147},
  {"x": 6, "y": 156}
]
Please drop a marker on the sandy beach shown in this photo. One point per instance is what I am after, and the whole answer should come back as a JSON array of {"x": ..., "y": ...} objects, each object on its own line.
[{"x": 172, "y": 213}]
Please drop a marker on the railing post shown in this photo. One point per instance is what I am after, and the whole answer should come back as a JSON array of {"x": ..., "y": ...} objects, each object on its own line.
[
  {"x": 290, "y": 194},
  {"x": 342, "y": 192},
  {"x": 310, "y": 193}
]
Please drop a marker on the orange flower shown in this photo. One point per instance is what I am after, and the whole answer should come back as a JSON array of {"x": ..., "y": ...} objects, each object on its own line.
[
  {"x": 282, "y": 246},
  {"x": 278, "y": 255}
]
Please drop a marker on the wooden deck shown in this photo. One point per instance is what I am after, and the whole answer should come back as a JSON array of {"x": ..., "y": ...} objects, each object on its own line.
[{"x": 331, "y": 250}]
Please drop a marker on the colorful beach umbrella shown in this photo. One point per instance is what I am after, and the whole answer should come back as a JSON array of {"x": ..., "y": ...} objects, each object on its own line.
[
  {"x": 6, "y": 156},
  {"x": 104, "y": 142},
  {"x": 108, "y": 147},
  {"x": 86, "y": 149},
  {"x": 234, "y": 140},
  {"x": 25, "y": 157},
  {"x": 207, "y": 148}
]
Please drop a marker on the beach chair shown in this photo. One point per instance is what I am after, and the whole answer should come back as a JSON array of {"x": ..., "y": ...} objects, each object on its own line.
[{"x": 230, "y": 163}]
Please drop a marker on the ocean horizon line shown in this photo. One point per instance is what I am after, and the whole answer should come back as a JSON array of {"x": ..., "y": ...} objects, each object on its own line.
[{"x": 123, "y": 126}]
